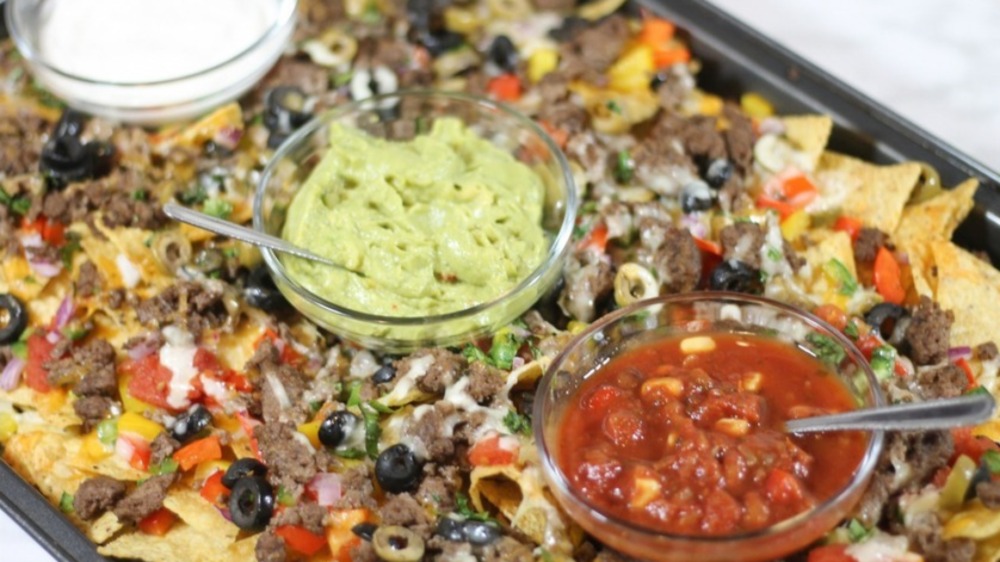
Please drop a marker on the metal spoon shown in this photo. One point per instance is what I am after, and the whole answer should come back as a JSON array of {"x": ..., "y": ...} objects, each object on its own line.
[
  {"x": 965, "y": 410},
  {"x": 248, "y": 235}
]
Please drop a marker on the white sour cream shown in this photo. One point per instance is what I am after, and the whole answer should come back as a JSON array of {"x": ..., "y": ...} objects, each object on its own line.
[{"x": 135, "y": 41}]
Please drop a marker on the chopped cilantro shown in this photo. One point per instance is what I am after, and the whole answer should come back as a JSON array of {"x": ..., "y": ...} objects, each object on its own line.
[
  {"x": 349, "y": 453},
  {"x": 516, "y": 423},
  {"x": 473, "y": 353},
  {"x": 140, "y": 195},
  {"x": 857, "y": 532},
  {"x": 883, "y": 361},
  {"x": 851, "y": 330},
  {"x": 20, "y": 205},
  {"x": 218, "y": 208},
  {"x": 285, "y": 497},
  {"x": 991, "y": 460},
  {"x": 372, "y": 430},
  {"x": 826, "y": 349},
  {"x": 504, "y": 349},
  {"x": 839, "y": 273},
  {"x": 624, "y": 167},
  {"x": 70, "y": 248},
  {"x": 579, "y": 231},
  {"x": 354, "y": 394},
  {"x": 614, "y": 107},
  {"x": 195, "y": 195},
  {"x": 107, "y": 432},
  {"x": 166, "y": 466},
  {"x": 66, "y": 503},
  {"x": 463, "y": 508}
]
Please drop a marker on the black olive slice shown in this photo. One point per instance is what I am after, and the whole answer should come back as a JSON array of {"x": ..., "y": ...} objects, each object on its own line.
[
  {"x": 398, "y": 470},
  {"x": 736, "y": 276},
  {"x": 261, "y": 292},
  {"x": 13, "y": 318},
  {"x": 242, "y": 468},
  {"x": 251, "y": 503},
  {"x": 883, "y": 317},
  {"x": 336, "y": 428},
  {"x": 191, "y": 423}
]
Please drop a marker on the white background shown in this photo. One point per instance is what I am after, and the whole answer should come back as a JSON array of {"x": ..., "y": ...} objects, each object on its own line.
[{"x": 936, "y": 62}]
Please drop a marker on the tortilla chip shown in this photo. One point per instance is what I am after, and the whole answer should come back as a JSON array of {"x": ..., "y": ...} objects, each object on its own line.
[
  {"x": 198, "y": 513},
  {"x": 808, "y": 134},
  {"x": 873, "y": 194},
  {"x": 988, "y": 550},
  {"x": 104, "y": 528},
  {"x": 182, "y": 543},
  {"x": 39, "y": 456},
  {"x": 939, "y": 216},
  {"x": 977, "y": 522},
  {"x": 922, "y": 271},
  {"x": 970, "y": 288},
  {"x": 825, "y": 245}
]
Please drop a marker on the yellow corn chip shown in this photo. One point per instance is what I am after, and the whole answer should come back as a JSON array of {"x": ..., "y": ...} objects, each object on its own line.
[
  {"x": 937, "y": 217},
  {"x": 198, "y": 513},
  {"x": 970, "y": 288},
  {"x": 39, "y": 457},
  {"x": 182, "y": 543},
  {"x": 808, "y": 134},
  {"x": 873, "y": 194},
  {"x": 104, "y": 528},
  {"x": 977, "y": 522}
]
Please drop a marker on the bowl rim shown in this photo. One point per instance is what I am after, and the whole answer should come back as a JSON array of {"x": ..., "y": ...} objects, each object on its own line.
[
  {"x": 558, "y": 248},
  {"x": 558, "y": 480},
  {"x": 287, "y": 10}
]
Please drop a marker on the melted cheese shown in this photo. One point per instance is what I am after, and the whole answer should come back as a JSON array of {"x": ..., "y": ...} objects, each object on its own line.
[
  {"x": 129, "y": 272},
  {"x": 408, "y": 380}
]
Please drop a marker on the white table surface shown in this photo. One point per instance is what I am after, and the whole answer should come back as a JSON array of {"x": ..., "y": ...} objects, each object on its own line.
[{"x": 936, "y": 62}]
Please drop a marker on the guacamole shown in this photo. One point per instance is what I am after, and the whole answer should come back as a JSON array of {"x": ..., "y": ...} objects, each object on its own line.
[{"x": 435, "y": 224}]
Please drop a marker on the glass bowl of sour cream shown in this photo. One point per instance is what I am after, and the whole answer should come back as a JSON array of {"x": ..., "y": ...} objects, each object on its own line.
[
  {"x": 149, "y": 61},
  {"x": 451, "y": 214}
]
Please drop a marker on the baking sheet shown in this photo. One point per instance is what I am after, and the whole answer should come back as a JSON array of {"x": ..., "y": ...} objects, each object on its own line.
[{"x": 735, "y": 59}]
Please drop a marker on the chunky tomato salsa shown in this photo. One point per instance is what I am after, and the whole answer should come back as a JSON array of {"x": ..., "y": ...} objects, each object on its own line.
[{"x": 684, "y": 435}]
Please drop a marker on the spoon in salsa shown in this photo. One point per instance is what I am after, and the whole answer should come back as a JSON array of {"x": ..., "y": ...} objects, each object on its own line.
[
  {"x": 967, "y": 410},
  {"x": 248, "y": 235}
]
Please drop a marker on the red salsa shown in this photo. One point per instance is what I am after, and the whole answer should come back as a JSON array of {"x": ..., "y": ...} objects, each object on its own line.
[{"x": 684, "y": 435}]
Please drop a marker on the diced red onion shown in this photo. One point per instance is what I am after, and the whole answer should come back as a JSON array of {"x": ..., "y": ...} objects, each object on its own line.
[
  {"x": 124, "y": 448},
  {"x": 64, "y": 314},
  {"x": 11, "y": 374},
  {"x": 143, "y": 349},
  {"x": 517, "y": 363},
  {"x": 695, "y": 226},
  {"x": 771, "y": 125},
  {"x": 961, "y": 352},
  {"x": 32, "y": 240},
  {"x": 44, "y": 268},
  {"x": 53, "y": 337},
  {"x": 224, "y": 511},
  {"x": 228, "y": 137},
  {"x": 326, "y": 486}
]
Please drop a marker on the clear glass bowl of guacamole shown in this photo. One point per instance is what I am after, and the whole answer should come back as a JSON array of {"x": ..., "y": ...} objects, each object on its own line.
[{"x": 452, "y": 215}]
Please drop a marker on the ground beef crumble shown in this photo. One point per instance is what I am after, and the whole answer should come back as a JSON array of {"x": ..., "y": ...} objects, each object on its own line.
[
  {"x": 97, "y": 495},
  {"x": 144, "y": 499},
  {"x": 290, "y": 463},
  {"x": 928, "y": 333}
]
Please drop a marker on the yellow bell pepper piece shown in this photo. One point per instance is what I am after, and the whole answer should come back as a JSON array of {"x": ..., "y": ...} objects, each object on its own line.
[
  {"x": 795, "y": 225},
  {"x": 542, "y": 62},
  {"x": 93, "y": 448},
  {"x": 311, "y": 431},
  {"x": 710, "y": 105},
  {"x": 8, "y": 426},
  {"x": 756, "y": 106},
  {"x": 206, "y": 469},
  {"x": 133, "y": 423},
  {"x": 633, "y": 70}
]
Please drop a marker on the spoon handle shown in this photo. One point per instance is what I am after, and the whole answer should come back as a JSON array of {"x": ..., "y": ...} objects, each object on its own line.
[
  {"x": 232, "y": 230},
  {"x": 965, "y": 410}
]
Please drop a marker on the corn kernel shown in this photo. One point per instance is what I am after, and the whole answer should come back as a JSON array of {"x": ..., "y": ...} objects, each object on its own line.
[
  {"x": 752, "y": 381},
  {"x": 756, "y": 106},
  {"x": 670, "y": 385},
  {"x": 697, "y": 344},
  {"x": 734, "y": 427},
  {"x": 8, "y": 426},
  {"x": 645, "y": 491},
  {"x": 542, "y": 62},
  {"x": 795, "y": 225},
  {"x": 632, "y": 71}
]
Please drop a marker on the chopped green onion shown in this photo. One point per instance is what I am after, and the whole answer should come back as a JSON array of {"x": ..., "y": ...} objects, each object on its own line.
[
  {"x": 166, "y": 466},
  {"x": 516, "y": 423},
  {"x": 66, "y": 503},
  {"x": 107, "y": 431},
  {"x": 826, "y": 349},
  {"x": 991, "y": 460},
  {"x": 857, "y": 532},
  {"x": 883, "y": 361},
  {"x": 625, "y": 167},
  {"x": 218, "y": 208},
  {"x": 839, "y": 272},
  {"x": 372, "y": 430},
  {"x": 504, "y": 349}
]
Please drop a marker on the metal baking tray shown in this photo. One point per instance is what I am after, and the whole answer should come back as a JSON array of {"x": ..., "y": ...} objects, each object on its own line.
[{"x": 735, "y": 58}]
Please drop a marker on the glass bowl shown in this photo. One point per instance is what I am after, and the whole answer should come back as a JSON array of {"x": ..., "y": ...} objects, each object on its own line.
[
  {"x": 151, "y": 101},
  {"x": 402, "y": 116},
  {"x": 709, "y": 312}
]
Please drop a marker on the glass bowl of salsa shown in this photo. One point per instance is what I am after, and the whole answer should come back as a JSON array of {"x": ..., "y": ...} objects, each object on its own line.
[
  {"x": 661, "y": 428},
  {"x": 449, "y": 213}
]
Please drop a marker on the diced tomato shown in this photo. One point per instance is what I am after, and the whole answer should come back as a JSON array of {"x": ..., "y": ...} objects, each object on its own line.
[
  {"x": 506, "y": 87},
  {"x": 248, "y": 423},
  {"x": 832, "y": 315},
  {"x": 784, "y": 208},
  {"x": 196, "y": 452},
  {"x": 597, "y": 239},
  {"x": 300, "y": 540},
  {"x": 52, "y": 232},
  {"x": 288, "y": 354},
  {"x": 158, "y": 522},
  {"x": 140, "y": 451},
  {"x": 830, "y": 553},
  {"x": 888, "y": 277},
  {"x": 798, "y": 186},
  {"x": 602, "y": 398},
  {"x": 39, "y": 352},
  {"x": 967, "y": 369},
  {"x": 212, "y": 490},
  {"x": 849, "y": 225},
  {"x": 488, "y": 452},
  {"x": 941, "y": 476},
  {"x": 867, "y": 344},
  {"x": 971, "y": 445},
  {"x": 708, "y": 247},
  {"x": 206, "y": 361},
  {"x": 783, "y": 487},
  {"x": 150, "y": 381}
]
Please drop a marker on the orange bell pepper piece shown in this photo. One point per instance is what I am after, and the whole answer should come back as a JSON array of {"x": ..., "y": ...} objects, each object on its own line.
[{"x": 207, "y": 449}]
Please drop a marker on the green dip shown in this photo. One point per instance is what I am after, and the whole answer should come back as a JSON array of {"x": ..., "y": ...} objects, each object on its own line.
[{"x": 436, "y": 224}]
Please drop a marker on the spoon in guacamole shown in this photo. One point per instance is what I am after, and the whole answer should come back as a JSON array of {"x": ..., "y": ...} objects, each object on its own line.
[{"x": 248, "y": 235}]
